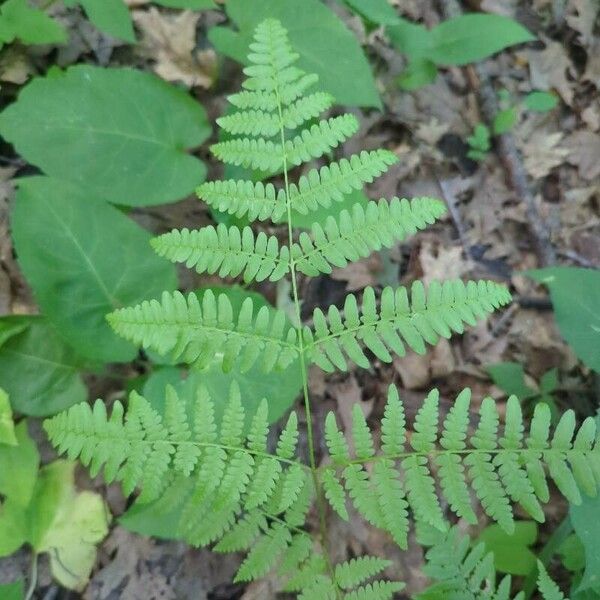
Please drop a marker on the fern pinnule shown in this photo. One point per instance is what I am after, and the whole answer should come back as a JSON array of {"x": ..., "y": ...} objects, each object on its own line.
[
  {"x": 354, "y": 235},
  {"x": 194, "y": 331},
  {"x": 332, "y": 182},
  {"x": 228, "y": 251},
  {"x": 547, "y": 587},
  {"x": 423, "y": 317}
]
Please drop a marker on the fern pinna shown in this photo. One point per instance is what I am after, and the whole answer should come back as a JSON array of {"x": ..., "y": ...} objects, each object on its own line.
[{"x": 246, "y": 494}]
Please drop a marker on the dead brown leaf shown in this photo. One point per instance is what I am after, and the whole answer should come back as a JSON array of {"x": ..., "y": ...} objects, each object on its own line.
[
  {"x": 542, "y": 152},
  {"x": 170, "y": 41},
  {"x": 440, "y": 263},
  {"x": 584, "y": 153},
  {"x": 359, "y": 274},
  {"x": 549, "y": 68},
  {"x": 581, "y": 18},
  {"x": 592, "y": 67}
]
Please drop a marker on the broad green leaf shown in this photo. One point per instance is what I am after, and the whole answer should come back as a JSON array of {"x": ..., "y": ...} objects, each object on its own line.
[
  {"x": 549, "y": 381},
  {"x": 418, "y": 73},
  {"x": 411, "y": 39},
  {"x": 541, "y": 101},
  {"x": 84, "y": 258},
  {"x": 326, "y": 46},
  {"x": 19, "y": 467},
  {"x": 572, "y": 553},
  {"x": 38, "y": 370},
  {"x": 472, "y": 37},
  {"x": 190, "y": 4},
  {"x": 120, "y": 134},
  {"x": 575, "y": 295},
  {"x": 13, "y": 527},
  {"x": 587, "y": 527},
  {"x": 71, "y": 524},
  {"x": 162, "y": 518},
  {"x": 12, "y": 591},
  {"x": 19, "y": 20},
  {"x": 7, "y": 427},
  {"x": 511, "y": 552},
  {"x": 376, "y": 11},
  {"x": 510, "y": 377},
  {"x": 110, "y": 16},
  {"x": 10, "y": 328}
]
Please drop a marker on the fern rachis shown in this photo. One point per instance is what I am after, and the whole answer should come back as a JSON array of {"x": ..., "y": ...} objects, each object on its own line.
[{"x": 248, "y": 495}]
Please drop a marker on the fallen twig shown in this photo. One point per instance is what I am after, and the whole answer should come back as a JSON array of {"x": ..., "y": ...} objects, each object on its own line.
[{"x": 508, "y": 151}]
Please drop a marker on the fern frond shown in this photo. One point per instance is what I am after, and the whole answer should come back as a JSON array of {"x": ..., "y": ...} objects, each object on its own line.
[
  {"x": 462, "y": 572},
  {"x": 196, "y": 331},
  {"x": 330, "y": 183},
  {"x": 477, "y": 463},
  {"x": 354, "y": 235},
  {"x": 547, "y": 587},
  {"x": 243, "y": 497},
  {"x": 425, "y": 317},
  {"x": 227, "y": 251},
  {"x": 244, "y": 199}
]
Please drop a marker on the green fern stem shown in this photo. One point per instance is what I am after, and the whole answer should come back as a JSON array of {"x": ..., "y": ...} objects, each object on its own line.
[{"x": 320, "y": 498}]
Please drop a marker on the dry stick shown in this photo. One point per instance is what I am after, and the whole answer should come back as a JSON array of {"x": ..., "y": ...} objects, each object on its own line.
[{"x": 509, "y": 153}]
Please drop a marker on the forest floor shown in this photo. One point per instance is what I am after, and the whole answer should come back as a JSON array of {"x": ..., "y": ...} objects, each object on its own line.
[{"x": 487, "y": 234}]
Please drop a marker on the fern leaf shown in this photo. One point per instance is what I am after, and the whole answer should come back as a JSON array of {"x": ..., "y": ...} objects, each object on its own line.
[
  {"x": 489, "y": 464},
  {"x": 451, "y": 470},
  {"x": 286, "y": 446},
  {"x": 195, "y": 331},
  {"x": 305, "y": 109},
  {"x": 320, "y": 139},
  {"x": 244, "y": 199},
  {"x": 335, "y": 493},
  {"x": 378, "y": 590},
  {"x": 425, "y": 317},
  {"x": 355, "y": 235},
  {"x": 232, "y": 425},
  {"x": 392, "y": 499},
  {"x": 243, "y": 534},
  {"x": 250, "y": 122},
  {"x": 393, "y": 424},
  {"x": 330, "y": 183},
  {"x": 463, "y": 573},
  {"x": 227, "y": 251},
  {"x": 256, "y": 153},
  {"x": 547, "y": 587},
  {"x": 361, "y": 434},
  {"x": 336, "y": 442},
  {"x": 356, "y": 571},
  {"x": 298, "y": 551},
  {"x": 264, "y": 553}
]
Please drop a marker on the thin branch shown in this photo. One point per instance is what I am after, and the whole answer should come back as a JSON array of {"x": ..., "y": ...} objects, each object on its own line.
[{"x": 508, "y": 151}]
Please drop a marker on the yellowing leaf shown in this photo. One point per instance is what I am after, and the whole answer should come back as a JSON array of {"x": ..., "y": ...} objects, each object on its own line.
[
  {"x": 79, "y": 521},
  {"x": 7, "y": 427}
]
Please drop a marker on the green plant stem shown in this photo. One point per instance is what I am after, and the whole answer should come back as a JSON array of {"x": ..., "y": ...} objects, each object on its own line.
[
  {"x": 307, "y": 408},
  {"x": 33, "y": 577}
]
